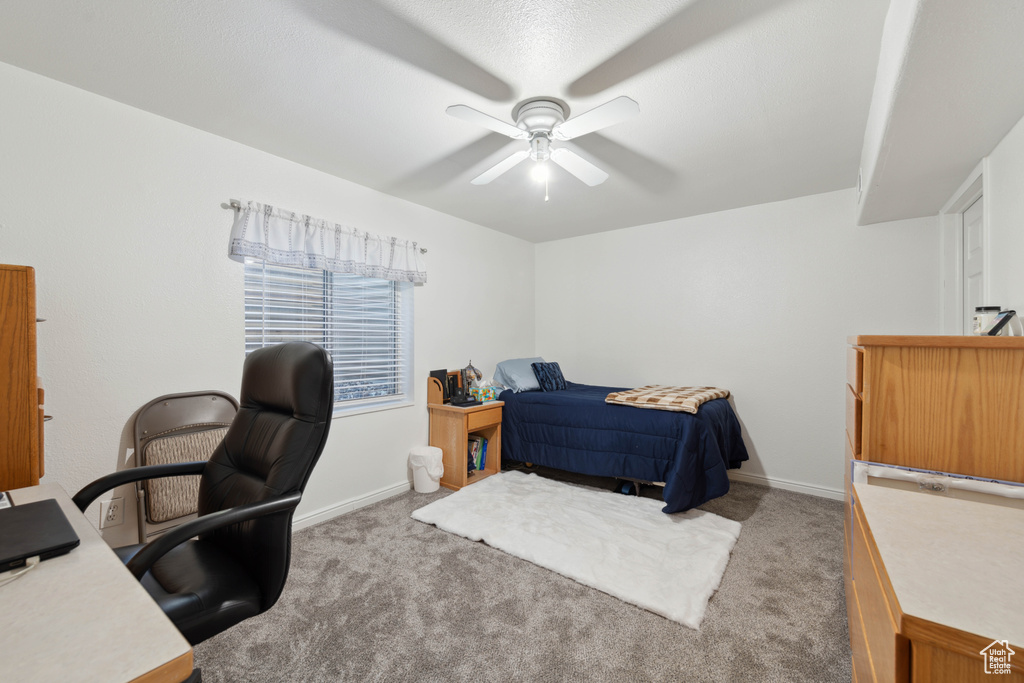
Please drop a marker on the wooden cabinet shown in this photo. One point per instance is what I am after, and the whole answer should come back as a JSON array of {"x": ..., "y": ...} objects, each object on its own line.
[
  {"x": 21, "y": 411},
  {"x": 946, "y": 404},
  {"x": 950, "y": 404}
]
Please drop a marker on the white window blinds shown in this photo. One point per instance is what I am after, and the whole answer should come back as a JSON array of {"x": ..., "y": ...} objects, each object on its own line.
[{"x": 364, "y": 323}]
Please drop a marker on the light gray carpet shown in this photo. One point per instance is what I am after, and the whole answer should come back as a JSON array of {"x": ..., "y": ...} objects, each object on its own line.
[{"x": 376, "y": 596}]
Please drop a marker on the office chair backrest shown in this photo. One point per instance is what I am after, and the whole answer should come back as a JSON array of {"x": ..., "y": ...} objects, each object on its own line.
[{"x": 286, "y": 404}]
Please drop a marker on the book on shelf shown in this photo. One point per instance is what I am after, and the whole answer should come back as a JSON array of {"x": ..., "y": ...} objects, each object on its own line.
[
  {"x": 483, "y": 455},
  {"x": 473, "y": 452}
]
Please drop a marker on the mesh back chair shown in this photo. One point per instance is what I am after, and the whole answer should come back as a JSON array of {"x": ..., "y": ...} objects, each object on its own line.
[
  {"x": 176, "y": 428},
  {"x": 231, "y": 562}
]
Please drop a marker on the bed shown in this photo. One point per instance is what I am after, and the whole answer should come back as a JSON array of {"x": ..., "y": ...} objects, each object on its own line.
[{"x": 575, "y": 430}]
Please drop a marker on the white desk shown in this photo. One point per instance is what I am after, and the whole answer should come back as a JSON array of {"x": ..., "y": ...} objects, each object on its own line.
[
  {"x": 935, "y": 582},
  {"x": 84, "y": 617},
  {"x": 956, "y": 563}
]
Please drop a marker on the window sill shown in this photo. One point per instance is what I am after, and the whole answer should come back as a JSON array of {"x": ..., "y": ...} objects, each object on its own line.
[{"x": 360, "y": 409}]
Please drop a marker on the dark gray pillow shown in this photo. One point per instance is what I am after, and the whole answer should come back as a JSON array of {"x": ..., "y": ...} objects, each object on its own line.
[{"x": 549, "y": 376}]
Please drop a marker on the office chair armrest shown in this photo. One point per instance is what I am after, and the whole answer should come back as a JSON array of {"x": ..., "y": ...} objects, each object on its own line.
[
  {"x": 91, "y": 492},
  {"x": 154, "y": 550}
]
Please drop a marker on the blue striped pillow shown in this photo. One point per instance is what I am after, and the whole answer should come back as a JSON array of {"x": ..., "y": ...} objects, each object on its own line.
[{"x": 549, "y": 376}]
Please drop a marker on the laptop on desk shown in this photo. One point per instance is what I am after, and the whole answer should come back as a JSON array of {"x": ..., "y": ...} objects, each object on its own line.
[{"x": 32, "y": 529}]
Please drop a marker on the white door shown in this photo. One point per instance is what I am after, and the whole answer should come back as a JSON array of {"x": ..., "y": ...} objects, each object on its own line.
[{"x": 974, "y": 257}]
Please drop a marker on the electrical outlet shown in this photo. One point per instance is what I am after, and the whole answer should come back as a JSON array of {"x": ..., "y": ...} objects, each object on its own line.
[{"x": 111, "y": 512}]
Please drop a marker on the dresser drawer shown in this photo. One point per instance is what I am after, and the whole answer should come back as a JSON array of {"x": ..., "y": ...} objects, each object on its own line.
[
  {"x": 855, "y": 369},
  {"x": 854, "y": 415},
  {"x": 858, "y": 641},
  {"x": 848, "y": 460},
  {"x": 888, "y": 651}
]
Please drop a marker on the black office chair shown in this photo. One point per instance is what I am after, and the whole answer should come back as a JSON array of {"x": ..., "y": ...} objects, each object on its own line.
[{"x": 249, "y": 489}]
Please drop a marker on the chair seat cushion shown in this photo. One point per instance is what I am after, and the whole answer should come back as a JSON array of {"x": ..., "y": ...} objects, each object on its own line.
[{"x": 202, "y": 589}]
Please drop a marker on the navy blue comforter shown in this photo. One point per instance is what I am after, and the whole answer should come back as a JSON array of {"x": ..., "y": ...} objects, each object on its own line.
[{"x": 576, "y": 430}]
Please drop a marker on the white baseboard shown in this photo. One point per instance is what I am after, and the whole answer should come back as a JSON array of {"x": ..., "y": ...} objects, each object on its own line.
[
  {"x": 771, "y": 482},
  {"x": 345, "y": 506}
]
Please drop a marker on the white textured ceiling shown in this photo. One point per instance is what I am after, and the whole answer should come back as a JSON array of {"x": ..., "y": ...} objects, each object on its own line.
[{"x": 742, "y": 101}]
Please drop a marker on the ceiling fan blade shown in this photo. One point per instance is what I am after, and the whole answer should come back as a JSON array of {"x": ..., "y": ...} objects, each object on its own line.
[
  {"x": 461, "y": 111},
  {"x": 578, "y": 166},
  {"x": 608, "y": 114},
  {"x": 386, "y": 30},
  {"x": 500, "y": 167},
  {"x": 697, "y": 22}
]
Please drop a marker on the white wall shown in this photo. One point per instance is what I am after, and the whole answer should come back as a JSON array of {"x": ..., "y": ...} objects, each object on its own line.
[
  {"x": 120, "y": 212},
  {"x": 1004, "y": 208},
  {"x": 758, "y": 300}
]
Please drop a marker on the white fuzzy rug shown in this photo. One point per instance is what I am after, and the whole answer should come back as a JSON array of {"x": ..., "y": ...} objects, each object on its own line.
[{"x": 622, "y": 545}]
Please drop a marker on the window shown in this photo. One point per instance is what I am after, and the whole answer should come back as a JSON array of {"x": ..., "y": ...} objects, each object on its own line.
[{"x": 364, "y": 323}]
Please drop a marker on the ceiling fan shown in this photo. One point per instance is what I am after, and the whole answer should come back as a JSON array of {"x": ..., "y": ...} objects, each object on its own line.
[{"x": 541, "y": 120}]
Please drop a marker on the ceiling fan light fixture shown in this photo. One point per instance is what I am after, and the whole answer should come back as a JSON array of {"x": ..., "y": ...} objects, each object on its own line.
[
  {"x": 540, "y": 147},
  {"x": 541, "y": 120}
]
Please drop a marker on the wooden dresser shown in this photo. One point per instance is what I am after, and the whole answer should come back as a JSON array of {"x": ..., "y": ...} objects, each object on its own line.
[
  {"x": 21, "y": 397},
  {"x": 947, "y": 404}
]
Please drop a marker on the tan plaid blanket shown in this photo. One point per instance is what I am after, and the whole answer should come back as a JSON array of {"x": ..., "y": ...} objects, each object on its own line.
[{"x": 659, "y": 397}]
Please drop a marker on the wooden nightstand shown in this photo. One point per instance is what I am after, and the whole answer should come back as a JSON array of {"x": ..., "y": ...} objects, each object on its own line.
[{"x": 450, "y": 427}]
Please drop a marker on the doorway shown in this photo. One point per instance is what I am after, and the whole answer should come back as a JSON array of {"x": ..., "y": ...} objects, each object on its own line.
[
  {"x": 972, "y": 220},
  {"x": 963, "y": 243}
]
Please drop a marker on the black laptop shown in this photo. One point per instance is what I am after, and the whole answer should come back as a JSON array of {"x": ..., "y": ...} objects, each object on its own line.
[{"x": 32, "y": 529}]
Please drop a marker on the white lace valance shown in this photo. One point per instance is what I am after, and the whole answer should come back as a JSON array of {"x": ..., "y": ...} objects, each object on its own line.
[{"x": 290, "y": 239}]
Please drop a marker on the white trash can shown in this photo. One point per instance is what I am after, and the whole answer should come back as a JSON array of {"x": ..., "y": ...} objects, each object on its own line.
[{"x": 427, "y": 468}]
